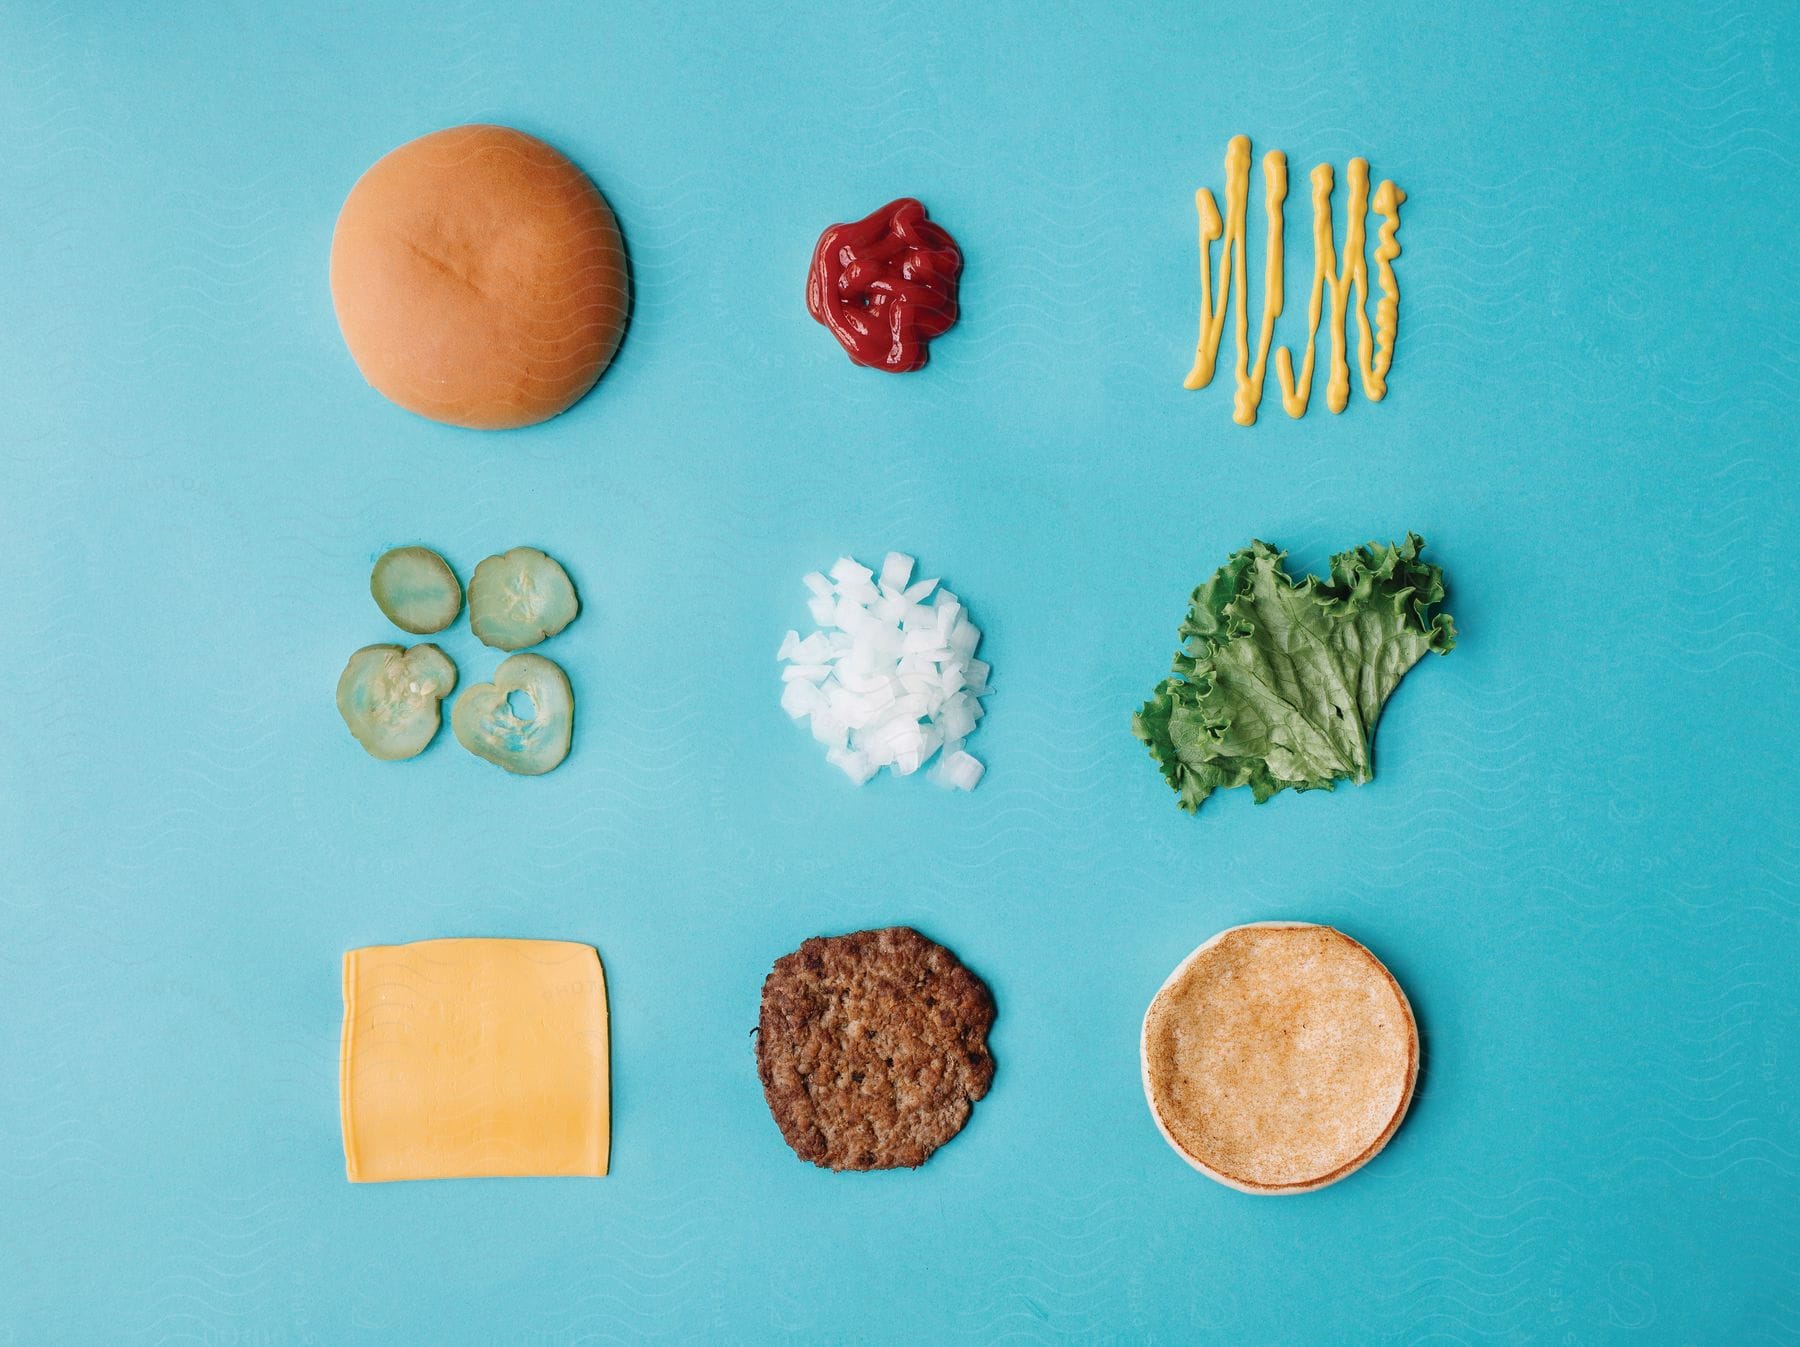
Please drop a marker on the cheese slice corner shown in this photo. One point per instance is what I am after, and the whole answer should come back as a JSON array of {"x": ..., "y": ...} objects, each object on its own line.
[{"x": 475, "y": 1058}]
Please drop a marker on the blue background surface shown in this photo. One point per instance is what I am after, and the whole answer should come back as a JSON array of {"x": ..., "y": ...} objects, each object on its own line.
[{"x": 1579, "y": 855}]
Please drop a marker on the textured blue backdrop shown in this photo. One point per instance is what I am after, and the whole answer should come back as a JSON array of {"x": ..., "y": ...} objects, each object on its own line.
[{"x": 1579, "y": 856}]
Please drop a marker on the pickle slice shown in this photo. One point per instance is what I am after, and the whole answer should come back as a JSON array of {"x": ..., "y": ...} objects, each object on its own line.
[
  {"x": 417, "y": 590},
  {"x": 388, "y": 695},
  {"x": 519, "y": 598},
  {"x": 488, "y": 723}
]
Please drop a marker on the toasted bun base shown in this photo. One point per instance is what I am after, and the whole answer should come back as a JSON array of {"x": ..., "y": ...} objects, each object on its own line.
[
  {"x": 479, "y": 278},
  {"x": 1279, "y": 1057}
]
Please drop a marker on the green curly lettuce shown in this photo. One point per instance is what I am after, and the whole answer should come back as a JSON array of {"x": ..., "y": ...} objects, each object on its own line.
[{"x": 1279, "y": 685}]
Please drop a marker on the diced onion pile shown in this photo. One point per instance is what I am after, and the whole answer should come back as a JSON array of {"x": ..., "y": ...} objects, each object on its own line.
[{"x": 890, "y": 677}]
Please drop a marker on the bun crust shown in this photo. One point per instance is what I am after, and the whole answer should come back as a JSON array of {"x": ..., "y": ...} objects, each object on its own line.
[
  {"x": 479, "y": 278},
  {"x": 1279, "y": 1057}
]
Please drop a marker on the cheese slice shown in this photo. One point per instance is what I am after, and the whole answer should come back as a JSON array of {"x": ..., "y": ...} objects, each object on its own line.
[{"x": 467, "y": 1058}]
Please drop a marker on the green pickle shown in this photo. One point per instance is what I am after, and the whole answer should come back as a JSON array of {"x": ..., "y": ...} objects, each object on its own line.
[
  {"x": 389, "y": 696},
  {"x": 416, "y": 589},
  {"x": 519, "y": 598},
  {"x": 486, "y": 723}
]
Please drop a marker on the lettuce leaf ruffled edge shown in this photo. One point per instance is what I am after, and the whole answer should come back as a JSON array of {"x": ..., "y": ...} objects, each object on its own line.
[{"x": 1219, "y": 611}]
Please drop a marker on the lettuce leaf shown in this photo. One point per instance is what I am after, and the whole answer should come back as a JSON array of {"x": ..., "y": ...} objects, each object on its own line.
[{"x": 1278, "y": 685}]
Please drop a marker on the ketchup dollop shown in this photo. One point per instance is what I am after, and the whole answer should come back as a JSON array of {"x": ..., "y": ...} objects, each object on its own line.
[{"x": 885, "y": 285}]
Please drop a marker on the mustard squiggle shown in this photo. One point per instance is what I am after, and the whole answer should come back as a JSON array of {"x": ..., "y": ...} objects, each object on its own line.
[{"x": 1375, "y": 345}]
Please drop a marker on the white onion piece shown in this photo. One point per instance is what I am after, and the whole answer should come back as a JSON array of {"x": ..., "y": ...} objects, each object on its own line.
[
  {"x": 798, "y": 699},
  {"x": 956, "y": 719},
  {"x": 829, "y": 730},
  {"x": 896, "y": 570},
  {"x": 854, "y": 765},
  {"x": 890, "y": 677},
  {"x": 961, "y": 770}
]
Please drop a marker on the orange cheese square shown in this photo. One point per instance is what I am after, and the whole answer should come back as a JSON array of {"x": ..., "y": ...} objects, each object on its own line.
[{"x": 468, "y": 1058}]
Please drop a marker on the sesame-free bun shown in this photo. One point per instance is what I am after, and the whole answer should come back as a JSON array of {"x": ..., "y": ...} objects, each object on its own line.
[
  {"x": 479, "y": 278},
  {"x": 1279, "y": 1057}
]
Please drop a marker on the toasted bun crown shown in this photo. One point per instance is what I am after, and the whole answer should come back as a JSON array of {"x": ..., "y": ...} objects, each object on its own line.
[
  {"x": 479, "y": 278},
  {"x": 1279, "y": 1057}
]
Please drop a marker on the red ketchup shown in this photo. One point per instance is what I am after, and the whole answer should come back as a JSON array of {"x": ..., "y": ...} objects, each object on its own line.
[{"x": 885, "y": 285}]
